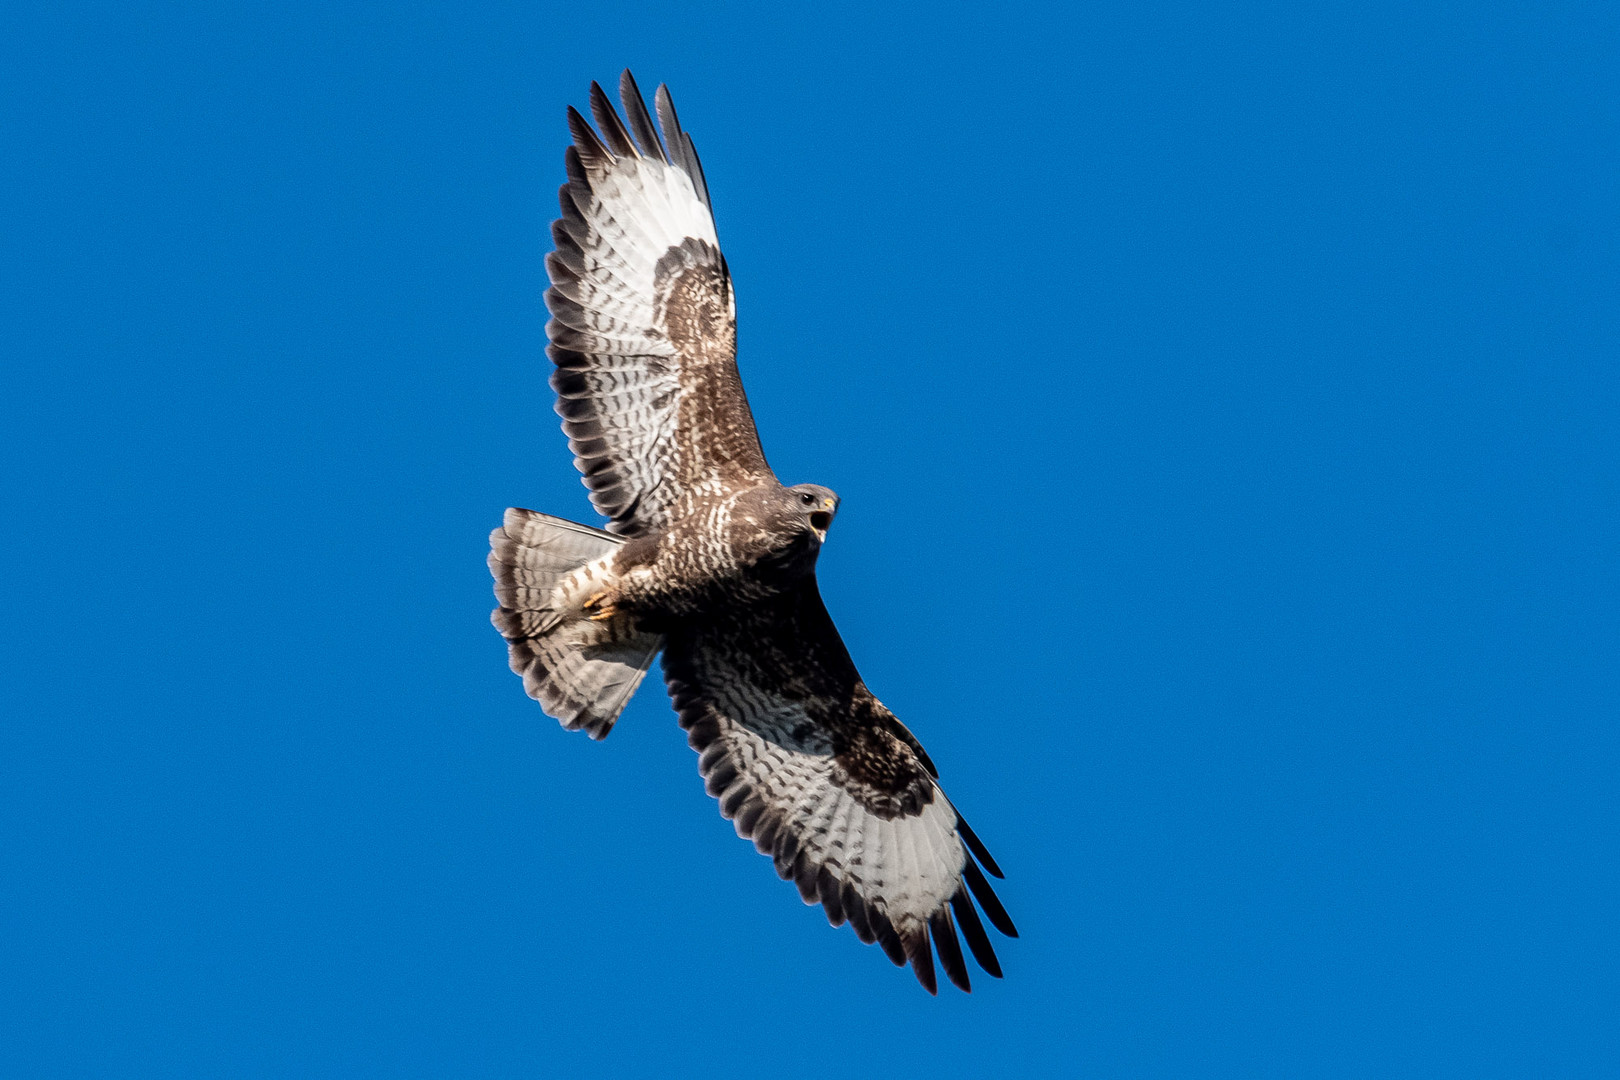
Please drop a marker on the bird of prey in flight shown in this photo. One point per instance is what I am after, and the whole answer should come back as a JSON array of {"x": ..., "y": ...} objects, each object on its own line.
[{"x": 708, "y": 559}]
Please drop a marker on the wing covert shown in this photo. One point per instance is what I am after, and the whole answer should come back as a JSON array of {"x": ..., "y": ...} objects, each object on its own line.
[{"x": 643, "y": 329}]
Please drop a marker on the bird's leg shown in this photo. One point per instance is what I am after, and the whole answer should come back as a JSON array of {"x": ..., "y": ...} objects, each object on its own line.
[{"x": 599, "y": 606}]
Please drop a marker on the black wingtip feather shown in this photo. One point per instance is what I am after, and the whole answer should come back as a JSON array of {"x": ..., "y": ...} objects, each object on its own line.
[
  {"x": 572, "y": 227},
  {"x": 567, "y": 255},
  {"x": 787, "y": 849},
  {"x": 702, "y": 733},
  {"x": 950, "y": 950},
  {"x": 884, "y": 930},
  {"x": 749, "y": 817},
  {"x": 574, "y": 168},
  {"x": 987, "y": 899},
  {"x": 680, "y": 151},
  {"x": 635, "y": 110},
  {"x": 765, "y": 834},
  {"x": 732, "y": 799},
  {"x": 975, "y": 845},
  {"x": 671, "y": 123},
  {"x": 922, "y": 962},
  {"x": 558, "y": 270},
  {"x": 565, "y": 244},
  {"x": 967, "y": 920},
  {"x": 859, "y": 921},
  {"x": 694, "y": 168},
  {"x": 666, "y": 112},
  {"x": 607, "y": 119},
  {"x": 586, "y": 142},
  {"x": 831, "y": 891},
  {"x": 572, "y": 199},
  {"x": 804, "y": 876},
  {"x": 719, "y": 779}
]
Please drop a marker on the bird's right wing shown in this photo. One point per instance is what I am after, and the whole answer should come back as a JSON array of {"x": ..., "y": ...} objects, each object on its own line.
[
  {"x": 830, "y": 784},
  {"x": 644, "y": 328}
]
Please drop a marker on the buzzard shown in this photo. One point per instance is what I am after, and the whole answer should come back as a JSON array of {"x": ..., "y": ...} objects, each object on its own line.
[{"x": 708, "y": 559}]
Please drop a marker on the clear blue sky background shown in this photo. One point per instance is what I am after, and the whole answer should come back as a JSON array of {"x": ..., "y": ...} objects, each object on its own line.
[{"x": 1224, "y": 402}]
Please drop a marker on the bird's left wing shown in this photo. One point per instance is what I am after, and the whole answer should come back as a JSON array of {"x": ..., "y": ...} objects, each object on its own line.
[
  {"x": 643, "y": 325},
  {"x": 825, "y": 780}
]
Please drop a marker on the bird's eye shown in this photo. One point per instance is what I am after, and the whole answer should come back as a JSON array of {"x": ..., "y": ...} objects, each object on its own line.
[{"x": 807, "y": 498}]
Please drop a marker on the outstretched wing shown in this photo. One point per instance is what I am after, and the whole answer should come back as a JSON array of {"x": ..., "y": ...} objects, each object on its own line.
[
  {"x": 643, "y": 328},
  {"x": 825, "y": 780}
]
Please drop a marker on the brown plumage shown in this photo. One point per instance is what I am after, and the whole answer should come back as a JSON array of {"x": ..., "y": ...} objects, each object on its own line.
[{"x": 708, "y": 558}]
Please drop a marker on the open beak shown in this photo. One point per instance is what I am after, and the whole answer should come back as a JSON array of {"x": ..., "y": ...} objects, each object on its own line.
[{"x": 820, "y": 519}]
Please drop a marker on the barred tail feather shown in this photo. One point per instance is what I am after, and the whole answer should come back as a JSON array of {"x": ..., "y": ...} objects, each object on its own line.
[{"x": 582, "y": 673}]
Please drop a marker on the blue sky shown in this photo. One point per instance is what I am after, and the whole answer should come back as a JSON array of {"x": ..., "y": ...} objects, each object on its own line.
[{"x": 1223, "y": 402}]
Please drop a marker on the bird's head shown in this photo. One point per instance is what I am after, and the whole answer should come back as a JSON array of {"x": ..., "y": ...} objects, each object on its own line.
[
  {"x": 815, "y": 505},
  {"x": 780, "y": 530}
]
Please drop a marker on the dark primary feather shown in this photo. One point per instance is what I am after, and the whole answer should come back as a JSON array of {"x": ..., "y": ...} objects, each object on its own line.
[
  {"x": 922, "y": 962},
  {"x": 635, "y": 110},
  {"x": 976, "y": 846},
  {"x": 973, "y": 930},
  {"x": 986, "y": 896},
  {"x": 950, "y": 950},
  {"x": 695, "y": 166},
  {"x": 608, "y": 122},
  {"x": 680, "y": 143},
  {"x": 586, "y": 143}
]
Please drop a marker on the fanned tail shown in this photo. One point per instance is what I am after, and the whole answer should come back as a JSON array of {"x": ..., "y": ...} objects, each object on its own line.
[{"x": 582, "y": 672}]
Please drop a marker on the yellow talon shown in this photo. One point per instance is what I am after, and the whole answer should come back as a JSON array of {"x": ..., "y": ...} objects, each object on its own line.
[{"x": 599, "y": 607}]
